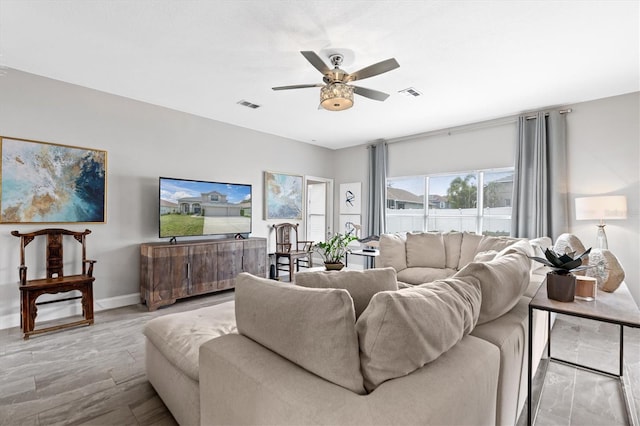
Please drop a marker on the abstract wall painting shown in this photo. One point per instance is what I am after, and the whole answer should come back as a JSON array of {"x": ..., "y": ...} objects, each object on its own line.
[
  {"x": 350, "y": 224},
  {"x": 283, "y": 196},
  {"x": 350, "y": 198},
  {"x": 43, "y": 182}
]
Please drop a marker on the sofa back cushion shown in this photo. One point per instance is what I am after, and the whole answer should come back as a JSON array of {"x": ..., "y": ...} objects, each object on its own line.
[
  {"x": 468, "y": 248},
  {"x": 401, "y": 331},
  {"x": 452, "y": 246},
  {"x": 425, "y": 250},
  {"x": 312, "y": 327},
  {"x": 502, "y": 280},
  {"x": 393, "y": 252},
  {"x": 361, "y": 285}
]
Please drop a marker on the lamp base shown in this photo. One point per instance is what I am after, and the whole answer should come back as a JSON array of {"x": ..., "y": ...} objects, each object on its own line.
[{"x": 601, "y": 237}]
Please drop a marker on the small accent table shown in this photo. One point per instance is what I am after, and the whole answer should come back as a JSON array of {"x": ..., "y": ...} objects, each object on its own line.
[
  {"x": 616, "y": 308},
  {"x": 370, "y": 257}
]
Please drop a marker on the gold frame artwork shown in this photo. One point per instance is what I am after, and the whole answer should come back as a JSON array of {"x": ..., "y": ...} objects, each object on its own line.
[{"x": 42, "y": 182}]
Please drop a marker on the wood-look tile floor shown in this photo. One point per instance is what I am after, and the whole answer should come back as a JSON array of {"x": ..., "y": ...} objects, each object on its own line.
[
  {"x": 91, "y": 375},
  {"x": 95, "y": 375}
]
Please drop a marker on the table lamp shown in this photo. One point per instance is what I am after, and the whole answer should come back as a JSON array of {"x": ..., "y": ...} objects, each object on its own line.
[{"x": 601, "y": 208}]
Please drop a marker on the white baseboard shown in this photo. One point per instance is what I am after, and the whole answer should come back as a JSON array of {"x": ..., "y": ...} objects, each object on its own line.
[{"x": 69, "y": 308}]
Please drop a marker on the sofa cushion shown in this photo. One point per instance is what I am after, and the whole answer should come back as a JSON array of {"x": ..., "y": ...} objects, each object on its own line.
[
  {"x": 416, "y": 276},
  {"x": 517, "y": 246},
  {"x": 425, "y": 250},
  {"x": 361, "y": 285},
  {"x": 489, "y": 242},
  {"x": 539, "y": 246},
  {"x": 503, "y": 280},
  {"x": 312, "y": 327},
  {"x": 468, "y": 248},
  {"x": 452, "y": 245},
  {"x": 393, "y": 252},
  {"x": 485, "y": 256},
  {"x": 400, "y": 331},
  {"x": 179, "y": 336}
]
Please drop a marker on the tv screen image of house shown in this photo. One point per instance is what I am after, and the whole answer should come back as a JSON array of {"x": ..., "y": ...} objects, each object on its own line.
[{"x": 195, "y": 208}]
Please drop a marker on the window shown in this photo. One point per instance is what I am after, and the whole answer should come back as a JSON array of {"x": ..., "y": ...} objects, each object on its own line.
[{"x": 454, "y": 202}]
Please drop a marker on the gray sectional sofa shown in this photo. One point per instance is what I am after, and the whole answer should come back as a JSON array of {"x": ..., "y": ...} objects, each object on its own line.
[{"x": 435, "y": 335}]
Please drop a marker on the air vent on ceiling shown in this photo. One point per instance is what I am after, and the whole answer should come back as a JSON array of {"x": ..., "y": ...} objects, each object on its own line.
[
  {"x": 248, "y": 104},
  {"x": 410, "y": 92}
]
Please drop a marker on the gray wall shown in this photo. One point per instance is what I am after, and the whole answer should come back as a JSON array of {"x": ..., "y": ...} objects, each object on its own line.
[
  {"x": 604, "y": 158},
  {"x": 143, "y": 142}
]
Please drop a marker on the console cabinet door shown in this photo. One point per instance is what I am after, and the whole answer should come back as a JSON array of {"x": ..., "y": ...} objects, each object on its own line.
[
  {"x": 254, "y": 257},
  {"x": 229, "y": 263},
  {"x": 169, "y": 275},
  {"x": 203, "y": 269}
]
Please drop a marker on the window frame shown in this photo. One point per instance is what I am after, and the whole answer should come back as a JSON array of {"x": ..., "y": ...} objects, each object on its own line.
[{"x": 481, "y": 213}]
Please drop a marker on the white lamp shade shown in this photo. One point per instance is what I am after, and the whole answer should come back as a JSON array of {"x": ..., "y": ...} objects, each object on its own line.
[{"x": 601, "y": 208}]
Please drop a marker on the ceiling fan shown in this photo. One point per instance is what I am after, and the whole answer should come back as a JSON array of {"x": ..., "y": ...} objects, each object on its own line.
[{"x": 336, "y": 94}]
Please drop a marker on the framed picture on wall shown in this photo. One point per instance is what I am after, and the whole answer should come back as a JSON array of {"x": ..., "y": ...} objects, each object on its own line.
[
  {"x": 43, "y": 182},
  {"x": 350, "y": 194},
  {"x": 350, "y": 224},
  {"x": 283, "y": 196}
]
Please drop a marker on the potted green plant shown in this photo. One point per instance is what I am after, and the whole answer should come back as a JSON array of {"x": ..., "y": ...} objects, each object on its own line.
[
  {"x": 334, "y": 250},
  {"x": 561, "y": 283}
]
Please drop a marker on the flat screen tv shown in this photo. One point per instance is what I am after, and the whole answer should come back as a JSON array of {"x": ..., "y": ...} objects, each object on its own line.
[{"x": 190, "y": 208}]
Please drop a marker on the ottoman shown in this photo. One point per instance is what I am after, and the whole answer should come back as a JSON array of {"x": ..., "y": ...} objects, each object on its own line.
[{"x": 172, "y": 351}]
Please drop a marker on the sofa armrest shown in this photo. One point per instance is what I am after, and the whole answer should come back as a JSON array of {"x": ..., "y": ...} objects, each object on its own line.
[{"x": 242, "y": 382}]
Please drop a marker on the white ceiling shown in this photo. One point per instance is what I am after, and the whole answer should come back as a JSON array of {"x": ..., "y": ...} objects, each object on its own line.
[{"x": 471, "y": 60}]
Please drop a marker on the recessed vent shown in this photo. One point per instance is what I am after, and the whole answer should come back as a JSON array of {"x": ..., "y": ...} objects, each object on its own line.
[
  {"x": 410, "y": 92},
  {"x": 248, "y": 104}
]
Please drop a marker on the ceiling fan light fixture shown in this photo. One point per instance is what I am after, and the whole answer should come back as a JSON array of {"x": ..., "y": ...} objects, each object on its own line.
[{"x": 336, "y": 96}]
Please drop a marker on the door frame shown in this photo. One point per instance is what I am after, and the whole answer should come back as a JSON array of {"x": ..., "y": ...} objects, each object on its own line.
[{"x": 328, "y": 201}]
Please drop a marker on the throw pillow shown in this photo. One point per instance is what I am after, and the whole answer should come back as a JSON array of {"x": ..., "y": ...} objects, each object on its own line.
[
  {"x": 361, "y": 285},
  {"x": 401, "y": 331},
  {"x": 393, "y": 252},
  {"x": 425, "y": 250},
  {"x": 502, "y": 281},
  {"x": 312, "y": 327}
]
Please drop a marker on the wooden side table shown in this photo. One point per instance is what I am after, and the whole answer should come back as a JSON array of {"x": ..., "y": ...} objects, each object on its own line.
[{"x": 616, "y": 308}]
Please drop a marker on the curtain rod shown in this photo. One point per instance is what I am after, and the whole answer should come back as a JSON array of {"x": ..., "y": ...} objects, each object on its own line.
[
  {"x": 562, "y": 111},
  {"x": 467, "y": 127}
]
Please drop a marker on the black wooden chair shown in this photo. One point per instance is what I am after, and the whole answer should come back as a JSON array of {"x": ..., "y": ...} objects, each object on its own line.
[
  {"x": 56, "y": 281},
  {"x": 289, "y": 247}
]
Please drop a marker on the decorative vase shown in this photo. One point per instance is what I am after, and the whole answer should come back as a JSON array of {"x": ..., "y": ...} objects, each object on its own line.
[
  {"x": 561, "y": 287},
  {"x": 333, "y": 266}
]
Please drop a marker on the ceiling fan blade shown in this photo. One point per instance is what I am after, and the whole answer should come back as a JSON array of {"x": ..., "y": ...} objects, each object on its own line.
[
  {"x": 316, "y": 61},
  {"x": 297, "y": 86},
  {"x": 370, "y": 93},
  {"x": 375, "y": 69}
]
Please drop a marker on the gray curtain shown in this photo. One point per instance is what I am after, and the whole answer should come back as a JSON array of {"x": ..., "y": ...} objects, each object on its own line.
[
  {"x": 540, "y": 201},
  {"x": 377, "y": 187}
]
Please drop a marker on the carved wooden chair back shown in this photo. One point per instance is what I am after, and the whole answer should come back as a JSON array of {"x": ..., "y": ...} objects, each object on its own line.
[
  {"x": 288, "y": 246},
  {"x": 54, "y": 254},
  {"x": 286, "y": 237}
]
